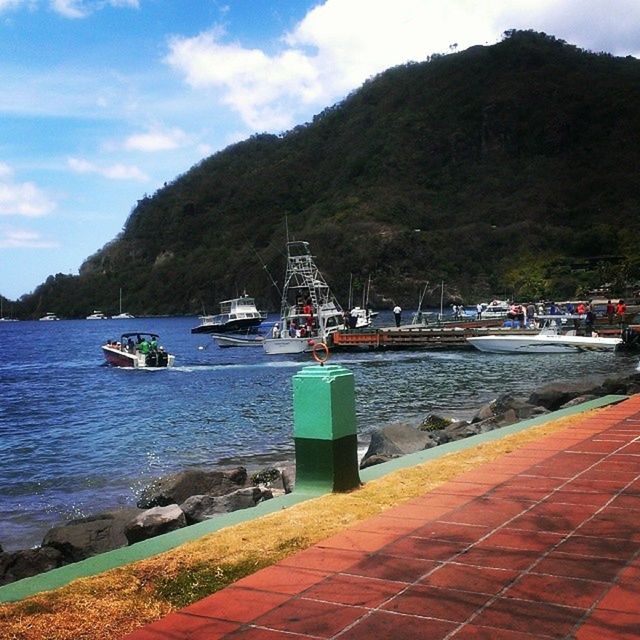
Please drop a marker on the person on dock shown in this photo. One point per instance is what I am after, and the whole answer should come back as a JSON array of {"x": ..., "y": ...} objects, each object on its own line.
[
  {"x": 610, "y": 311},
  {"x": 397, "y": 314},
  {"x": 621, "y": 309},
  {"x": 589, "y": 320},
  {"x": 479, "y": 309}
]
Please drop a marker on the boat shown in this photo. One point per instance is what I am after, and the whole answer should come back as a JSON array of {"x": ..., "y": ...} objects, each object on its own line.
[
  {"x": 547, "y": 340},
  {"x": 122, "y": 315},
  {"x": 49, "y": 317},
  {"x": 137, "y": 350},
  {"x": 225, "y": 340},
  {"x": 2, "y": 318},
  {"x": 309, "y": 313},
  {"x": 97, "y": 315},
  {"x": 495, "y": 309},
  {"x": 237, "y": 314}
]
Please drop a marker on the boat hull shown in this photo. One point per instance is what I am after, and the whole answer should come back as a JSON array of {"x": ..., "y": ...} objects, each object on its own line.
[
  {"x": 118, "y": 357},
  {"x": 285, "y": 346},
  {"x": 226, "y": 340},
  {"x": 543, "y": 344},
  {"x": 242, "y": 324}
]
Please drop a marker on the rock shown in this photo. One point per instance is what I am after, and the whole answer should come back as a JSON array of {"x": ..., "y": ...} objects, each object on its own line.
[
  {"x": 28, "y": 562},
  {"x": 154, "y": 522},
  {"x": 199, "y": 508},
  {"x": 278, "y": 481},
  {"x": 374, "y": 460},
  {"x": 578, "y": 400},
  {"x": 434, "y": 422},
  {"x": 506, "y": 405},
  {"x": 85, "y": 537},
  {"x": 176, "y": 488},
  {"x": 397, "y": 440}
]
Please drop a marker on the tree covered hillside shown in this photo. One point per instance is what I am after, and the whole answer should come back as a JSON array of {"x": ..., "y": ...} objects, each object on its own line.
[{"x": 500, "y": 170}]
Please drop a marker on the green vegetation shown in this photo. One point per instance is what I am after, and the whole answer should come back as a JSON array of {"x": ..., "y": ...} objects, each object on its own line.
[{"x": 506, "y": 170}]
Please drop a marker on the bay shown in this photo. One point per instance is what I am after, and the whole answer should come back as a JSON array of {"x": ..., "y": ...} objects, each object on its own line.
[{"x": 78, "y": 437}]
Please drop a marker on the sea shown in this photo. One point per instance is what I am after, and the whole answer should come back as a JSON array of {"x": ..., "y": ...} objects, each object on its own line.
[{"x": 78, "y": 437}]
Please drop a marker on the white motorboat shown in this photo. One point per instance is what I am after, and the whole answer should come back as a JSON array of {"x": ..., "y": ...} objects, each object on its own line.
[
  {"x": 225, "y": 340},
  {"x": 546, "y": 341},
  {"x": 49, "y": 317},
  {"x": 97, "y": 315},
  {"x": 137, "y": 350},
  {"x": 309, "y": 312},
  {"x": 495, "y": 309},
  {"x": 237, "y": 314}
]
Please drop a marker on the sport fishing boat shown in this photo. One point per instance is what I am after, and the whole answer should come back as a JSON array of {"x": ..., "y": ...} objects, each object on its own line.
[
  {"x": 309, "y": 312},
  {"x": 137, "y": 350},
  {"x": 547, "y": 340},
  {"x": 237, "y": 314}
]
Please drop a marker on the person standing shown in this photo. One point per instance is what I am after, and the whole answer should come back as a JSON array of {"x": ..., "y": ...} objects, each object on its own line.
[
  {"x": 397, "y": 314},
  {"x": 621, "y": 309},
  {"x": 611, "y": 311},
  {"x": 479, "y": 309}
]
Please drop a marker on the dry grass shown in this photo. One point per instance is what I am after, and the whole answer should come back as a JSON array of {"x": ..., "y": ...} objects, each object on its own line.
[{"x": 112, "y": 604}]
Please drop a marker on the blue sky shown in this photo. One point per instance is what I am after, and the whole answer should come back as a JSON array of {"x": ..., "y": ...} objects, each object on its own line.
[{"x": 102, "y": 101}]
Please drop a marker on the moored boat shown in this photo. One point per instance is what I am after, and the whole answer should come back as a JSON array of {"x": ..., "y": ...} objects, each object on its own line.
[
  {"x": 225, "y": 340},
  {"x": 97, "y": 315},
  {"x": 49, "y": 317},
  {"x": 309, "y": 312},
  {"x": 546, "y": 341},
  {"x": 137, "y": 350},
  {"x": 237, "y": 314}
]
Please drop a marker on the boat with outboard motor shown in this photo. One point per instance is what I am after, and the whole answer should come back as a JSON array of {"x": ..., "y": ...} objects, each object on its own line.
[
  {"x": 137, "y": 350},
  {"x": 237, "y": 314},
  {"x": 309, "y": 312},
  {"x": 549, "y": 339}
]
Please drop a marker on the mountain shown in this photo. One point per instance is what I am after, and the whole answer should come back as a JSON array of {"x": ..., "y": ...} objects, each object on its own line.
[{"x": 504, "y": 170}]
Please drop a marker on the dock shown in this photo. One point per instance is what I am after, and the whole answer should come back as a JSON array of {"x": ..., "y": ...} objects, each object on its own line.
[{"x": 419, "y": 336}]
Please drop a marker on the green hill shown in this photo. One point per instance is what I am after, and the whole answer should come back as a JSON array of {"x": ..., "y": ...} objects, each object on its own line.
[{"x": 501, "y": 170}]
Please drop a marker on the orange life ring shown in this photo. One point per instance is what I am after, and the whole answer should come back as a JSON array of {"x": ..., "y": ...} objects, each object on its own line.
[{"x": 321, "y": 359}]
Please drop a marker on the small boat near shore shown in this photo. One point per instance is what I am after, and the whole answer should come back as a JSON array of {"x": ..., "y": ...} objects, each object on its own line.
[
  {"x": 226, "y": 340},
  {"x": 137, "y": 350},
  {"x": 546, "y": 341},
  {"x": 237, "y": 314},
  {"x": 49, "y": 317}
]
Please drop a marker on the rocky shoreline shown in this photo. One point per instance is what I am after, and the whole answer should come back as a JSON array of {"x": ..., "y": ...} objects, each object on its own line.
[{"x": 196, "y": 495}]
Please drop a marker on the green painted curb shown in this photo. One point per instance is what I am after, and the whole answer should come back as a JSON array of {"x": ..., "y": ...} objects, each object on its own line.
[{"x": 142, "y": 550}]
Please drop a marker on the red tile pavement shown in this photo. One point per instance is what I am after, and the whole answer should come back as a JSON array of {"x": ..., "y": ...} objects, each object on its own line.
[{"x": 542, "y": 543}]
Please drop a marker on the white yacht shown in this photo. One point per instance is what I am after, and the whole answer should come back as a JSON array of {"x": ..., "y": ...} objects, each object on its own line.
[
  {"x": 48, "y": 317},
  {"x": 237, "y": 314},
  {"x": 97, "y": 315}
]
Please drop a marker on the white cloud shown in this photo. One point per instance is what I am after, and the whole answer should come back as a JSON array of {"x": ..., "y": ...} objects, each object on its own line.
[
  {"x": 83, "y": 8},
  {"x": 156, "y": 140},
  {"x": 112, "y": 172},
  {"x": 341, "y": 43},
  {"x": 5, "y": 5},
  {"x": 23, "y": 239},
  {"x": 22, "y": 198}
]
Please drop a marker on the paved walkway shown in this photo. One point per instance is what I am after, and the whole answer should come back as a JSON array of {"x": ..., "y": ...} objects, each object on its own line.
[{"x": 542, "y": 543}]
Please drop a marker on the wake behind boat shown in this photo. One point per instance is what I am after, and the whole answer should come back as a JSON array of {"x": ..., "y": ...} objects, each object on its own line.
[
  {"x": 309, "y": 313},
  {"x": 546, "y": 341},
  {"x": 137, "y": 350},
  {"x": 237, "y": 314}
]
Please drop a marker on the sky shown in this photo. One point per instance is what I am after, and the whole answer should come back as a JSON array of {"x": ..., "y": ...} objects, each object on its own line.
[{"x": 103, "y": 101}]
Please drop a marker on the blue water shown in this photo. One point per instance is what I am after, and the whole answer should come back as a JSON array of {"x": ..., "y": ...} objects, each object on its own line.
[{"x": 78, "y": 437}]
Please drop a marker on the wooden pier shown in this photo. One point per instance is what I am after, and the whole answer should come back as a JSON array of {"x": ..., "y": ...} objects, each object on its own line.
[{"x": 418, "y": 337}]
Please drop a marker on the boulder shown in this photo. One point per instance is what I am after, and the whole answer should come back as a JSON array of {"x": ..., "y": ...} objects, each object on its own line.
[
  {"x": 375, "y": 459},
  {"x": 154, "y": 522},
  {"x": 511, "y": 407},
  {"x": 176, "y": 488},
  {"x": 28, "y": 562},
  {"x": 276, "y": 480},
  {"x": 199, "y": 508},
  {"x": 397, "y": 440},
  {"x": 85, "y": 537}
]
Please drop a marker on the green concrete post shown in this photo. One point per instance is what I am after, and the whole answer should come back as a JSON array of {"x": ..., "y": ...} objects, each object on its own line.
[{"x": 324, "y": 429}]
